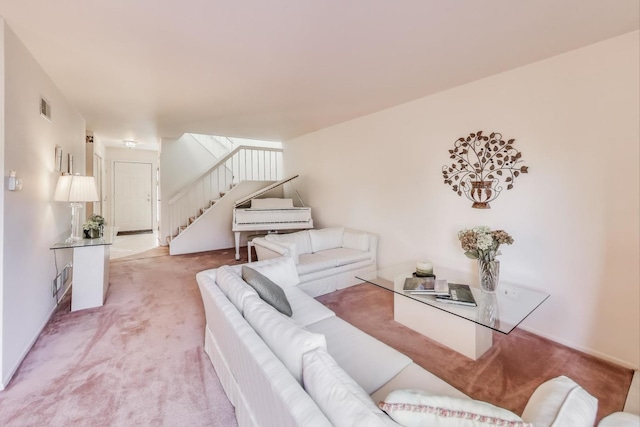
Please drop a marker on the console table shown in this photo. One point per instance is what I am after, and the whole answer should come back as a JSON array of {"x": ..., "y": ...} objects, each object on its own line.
[
  {"x": 467, "y": 330},
  {"x": 90, "y": 280}
]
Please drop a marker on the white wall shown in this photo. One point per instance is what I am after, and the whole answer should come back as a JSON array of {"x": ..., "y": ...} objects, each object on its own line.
[
  {"x": 32, "y": 221},
  {"x": 134, "y": 156},
  {"x": 574, "y": 217},
  {"x": 2, "y": 143},
  {"x": 174, "y": 155}
]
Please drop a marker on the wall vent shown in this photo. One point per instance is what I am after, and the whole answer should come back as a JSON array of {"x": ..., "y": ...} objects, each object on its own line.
[{"x": 45, "y": 109}]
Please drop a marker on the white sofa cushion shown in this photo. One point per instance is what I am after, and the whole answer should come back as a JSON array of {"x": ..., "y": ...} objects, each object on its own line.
[
  {"x": 344, "y": 256},
  {"x": 619, "y": 419},
  {"x": 355, "y": 240},
  {"x": 282, "y": 271},
  {"x": 310, "y": 263},
  {"x": 287, "y": 340},
  {"x": 232, "y": 285},
  {"x": 560, "y": 402},
  {"x": 306, "y": 310},
  {"x": 326, "y": 238},
  {"x": 341, "y": 399},
  {"x": 270, "y": 293},
  {"x": 370, "y": 362},
  {"x": 414, "y": 408},
  {"x": 300, "y": 238}
]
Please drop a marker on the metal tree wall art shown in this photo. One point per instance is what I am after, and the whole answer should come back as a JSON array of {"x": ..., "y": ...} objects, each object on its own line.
[{"x": 481, "y": 165}]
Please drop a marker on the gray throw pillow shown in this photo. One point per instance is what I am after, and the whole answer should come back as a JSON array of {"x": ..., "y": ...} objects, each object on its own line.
[{"x": 268, "y": 291}]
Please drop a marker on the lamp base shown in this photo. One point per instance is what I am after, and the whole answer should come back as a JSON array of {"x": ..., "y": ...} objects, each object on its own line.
[{"x": 76, "y": 234}]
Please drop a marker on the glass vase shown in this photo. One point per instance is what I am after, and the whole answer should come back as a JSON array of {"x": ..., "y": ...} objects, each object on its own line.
[{"x": 489, "y": 272}]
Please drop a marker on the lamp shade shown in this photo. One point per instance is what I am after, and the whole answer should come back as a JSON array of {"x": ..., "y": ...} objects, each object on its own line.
[{"x": 76, "y": 188}]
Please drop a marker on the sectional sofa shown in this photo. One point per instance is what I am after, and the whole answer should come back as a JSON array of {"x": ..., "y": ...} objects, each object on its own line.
[{"x": 284, "y": 359}]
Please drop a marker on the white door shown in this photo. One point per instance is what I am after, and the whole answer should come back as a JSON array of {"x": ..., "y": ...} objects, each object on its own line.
[{"x": 132, "y": 196}]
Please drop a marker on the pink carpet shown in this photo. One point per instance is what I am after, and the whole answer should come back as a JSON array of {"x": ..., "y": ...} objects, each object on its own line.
[
  {"x": 136, "y": 361},
  {"x": 506, "y": 375}
]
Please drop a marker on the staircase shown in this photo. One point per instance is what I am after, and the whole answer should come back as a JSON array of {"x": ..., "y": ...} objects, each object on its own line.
[{"x": 199, "y": 200}]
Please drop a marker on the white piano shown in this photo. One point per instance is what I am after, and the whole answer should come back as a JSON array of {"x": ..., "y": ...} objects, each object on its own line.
[{"x": 269, "y": 214}]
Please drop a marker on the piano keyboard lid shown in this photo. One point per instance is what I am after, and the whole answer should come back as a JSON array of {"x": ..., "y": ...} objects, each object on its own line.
[{"x": 245, "y": 202}]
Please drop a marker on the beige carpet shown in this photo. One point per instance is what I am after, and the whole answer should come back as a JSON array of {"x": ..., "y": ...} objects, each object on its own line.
[{"x": 138, "y": 360}]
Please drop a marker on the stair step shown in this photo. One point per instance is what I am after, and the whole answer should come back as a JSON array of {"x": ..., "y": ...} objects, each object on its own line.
[
  {"x": 191, "y": 219},
  {"x": 181, "y": 228}
]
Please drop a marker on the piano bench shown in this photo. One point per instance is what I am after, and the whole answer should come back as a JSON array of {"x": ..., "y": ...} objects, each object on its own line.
[{"x": 250, "y": 243}]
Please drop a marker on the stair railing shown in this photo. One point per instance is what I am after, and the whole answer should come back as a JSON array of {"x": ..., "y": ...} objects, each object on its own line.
[{"x": 243, "y": 163}]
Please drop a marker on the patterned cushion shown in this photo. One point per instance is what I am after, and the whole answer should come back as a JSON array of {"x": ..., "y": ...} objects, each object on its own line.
[
  {"x": 412, "y": 408},
  {"x": 268, "y": 291}
]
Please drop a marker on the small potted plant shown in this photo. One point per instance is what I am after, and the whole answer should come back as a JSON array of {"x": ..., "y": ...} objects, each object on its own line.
[{"x": 93, "y": 227}]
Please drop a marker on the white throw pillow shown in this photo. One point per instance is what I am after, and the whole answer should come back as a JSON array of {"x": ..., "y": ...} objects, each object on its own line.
[
  {"x": 620, "y": 419},
  {"x": 561, "y": 402},
  {"x": 300, "y": 239},
  {"x": 355, "y": 240},
  {"x": 282, "y": 271},
  {"x": 232, "y": 285},
  {"x": 414, "y": 408},
  {"x": 341, "y": 399},
  {"x": 327, "y": 238},
  {"x": 286, "y": 340}
]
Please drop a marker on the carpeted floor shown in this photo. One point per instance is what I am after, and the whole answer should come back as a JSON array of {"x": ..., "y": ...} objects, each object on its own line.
[
  {"x": 506, "y": 375},
  {"x": 138, "y": 360}
]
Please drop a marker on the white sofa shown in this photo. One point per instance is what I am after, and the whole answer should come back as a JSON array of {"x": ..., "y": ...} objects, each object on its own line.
[
  {"x": 326, "y": 259},
  {"x": 314, "y": 369}
]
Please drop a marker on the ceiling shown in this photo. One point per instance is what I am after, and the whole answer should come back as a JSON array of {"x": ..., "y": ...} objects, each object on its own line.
[{"x": 273, "y": 70}]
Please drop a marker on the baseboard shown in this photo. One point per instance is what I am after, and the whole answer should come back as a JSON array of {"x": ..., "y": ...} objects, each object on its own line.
[
  {"x": 7, "y": 379},
  {"x": 583, "y": 349}
]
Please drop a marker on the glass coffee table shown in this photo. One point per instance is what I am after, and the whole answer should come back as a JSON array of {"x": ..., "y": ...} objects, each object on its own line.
[{"x": 467, "y": 330}]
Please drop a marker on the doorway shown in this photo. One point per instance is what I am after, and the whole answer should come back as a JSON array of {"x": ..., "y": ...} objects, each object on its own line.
[{"x": 133, "y": 209}]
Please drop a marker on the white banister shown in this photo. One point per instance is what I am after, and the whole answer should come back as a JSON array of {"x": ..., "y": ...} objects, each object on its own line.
[{"x": 243, "y": 163}]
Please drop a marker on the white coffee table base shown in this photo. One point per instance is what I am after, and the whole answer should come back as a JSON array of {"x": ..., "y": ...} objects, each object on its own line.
[{"x": 465, "y": 337}]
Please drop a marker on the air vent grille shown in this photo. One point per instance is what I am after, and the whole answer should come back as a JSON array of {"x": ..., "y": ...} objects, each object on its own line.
[{"x": 45, "y": 109}]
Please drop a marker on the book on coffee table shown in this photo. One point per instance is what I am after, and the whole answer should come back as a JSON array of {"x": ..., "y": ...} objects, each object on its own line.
[
  {"x": 458, "y": 294},
  {"x": 426, "y": 285}
]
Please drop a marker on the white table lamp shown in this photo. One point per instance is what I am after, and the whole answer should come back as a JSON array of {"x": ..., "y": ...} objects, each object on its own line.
[{"x": 76, "y": 190}]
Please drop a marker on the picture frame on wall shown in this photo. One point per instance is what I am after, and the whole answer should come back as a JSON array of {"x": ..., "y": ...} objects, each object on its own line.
[{"x": 58, "y": 161}]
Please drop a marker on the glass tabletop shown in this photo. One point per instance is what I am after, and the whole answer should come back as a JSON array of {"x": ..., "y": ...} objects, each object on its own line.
[
  {"x": 502, "y": 311},
  {"x": 107, "y": 239}
]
